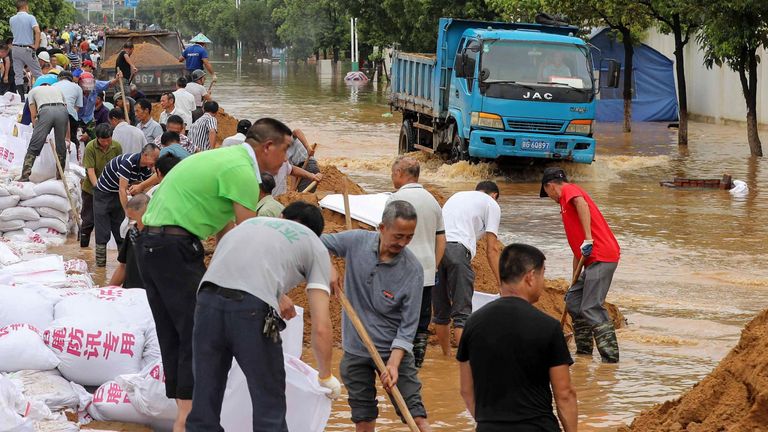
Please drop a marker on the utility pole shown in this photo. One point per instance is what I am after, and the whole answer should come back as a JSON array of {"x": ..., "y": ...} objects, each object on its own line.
[
  {"x": 239, "y": 61},
  {"x": 353, "y": 45}
]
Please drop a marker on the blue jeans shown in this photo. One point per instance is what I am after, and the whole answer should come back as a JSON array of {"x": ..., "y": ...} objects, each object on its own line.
[{"x": 227, "y": 327}]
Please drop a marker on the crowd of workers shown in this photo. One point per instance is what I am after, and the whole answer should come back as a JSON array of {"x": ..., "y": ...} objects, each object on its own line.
[{"x": 178, "y": 187}]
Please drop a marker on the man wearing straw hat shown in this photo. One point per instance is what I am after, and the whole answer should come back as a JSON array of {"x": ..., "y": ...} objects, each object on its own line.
[{"x": 196, "y": 56}]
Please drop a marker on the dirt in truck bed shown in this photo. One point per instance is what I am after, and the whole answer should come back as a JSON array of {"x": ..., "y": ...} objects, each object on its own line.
[{"x": 145, "y": 54}]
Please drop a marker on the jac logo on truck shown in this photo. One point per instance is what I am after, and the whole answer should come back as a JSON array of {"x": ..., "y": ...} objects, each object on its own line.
[{"x": 537, "y": 95}]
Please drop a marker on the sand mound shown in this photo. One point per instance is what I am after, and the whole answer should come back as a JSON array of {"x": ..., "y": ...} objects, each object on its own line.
[
  {"x": 734, "y": 397},
  {"x": 145, "y": 54},
  {"x": 227, "y": 123}
]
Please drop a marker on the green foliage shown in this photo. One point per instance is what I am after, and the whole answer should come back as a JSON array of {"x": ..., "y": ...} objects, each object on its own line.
[
  {"x": 51, "y": 13},
  {"x": 733, "y": 31}
]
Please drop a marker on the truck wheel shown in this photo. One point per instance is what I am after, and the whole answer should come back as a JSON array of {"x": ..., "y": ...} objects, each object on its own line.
[
  {"x": 406, "y": 138},
  {"x": 459, "y": 150}
]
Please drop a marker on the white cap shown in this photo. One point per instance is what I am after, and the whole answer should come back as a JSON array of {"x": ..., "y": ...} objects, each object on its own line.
[{"x": 44, "y": 56}]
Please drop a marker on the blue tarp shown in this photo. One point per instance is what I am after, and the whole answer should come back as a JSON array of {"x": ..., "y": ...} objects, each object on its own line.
[{"x": 654, "y": 94}]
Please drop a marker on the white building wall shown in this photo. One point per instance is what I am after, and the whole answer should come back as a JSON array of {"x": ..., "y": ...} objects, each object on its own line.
[{"x": 714, "y": 95}]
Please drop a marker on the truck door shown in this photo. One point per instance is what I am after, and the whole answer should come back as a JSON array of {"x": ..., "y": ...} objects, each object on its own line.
[{"x": 466, "y": 82}]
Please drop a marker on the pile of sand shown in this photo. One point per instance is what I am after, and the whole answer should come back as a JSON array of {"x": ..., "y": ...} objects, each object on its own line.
[
  {"x": 145, "y": 54},
  {"x": 734, "y": 397},
  {"x": 226, "y": 123}
]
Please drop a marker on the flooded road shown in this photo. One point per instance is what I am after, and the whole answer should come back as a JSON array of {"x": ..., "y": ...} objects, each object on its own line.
[{"x": 691, "y": 273}]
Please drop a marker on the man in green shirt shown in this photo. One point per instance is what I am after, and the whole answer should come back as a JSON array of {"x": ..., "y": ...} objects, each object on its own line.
[
  {"x": 268, "y": 206},
  {"x": 200, "y": 197},
  {"x": 97, "y": 154}
]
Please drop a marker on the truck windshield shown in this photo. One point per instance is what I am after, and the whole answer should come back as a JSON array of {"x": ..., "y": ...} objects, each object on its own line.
[{"x": 538, "y": 63}]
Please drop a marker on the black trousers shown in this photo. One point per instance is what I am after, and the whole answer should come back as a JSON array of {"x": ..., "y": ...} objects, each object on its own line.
[
  {"x": 108, "y": 215},
  {"x": 425, "y": 317},
  {"x": 86, "y": 215},
  {"x": 172, "y": 267}
]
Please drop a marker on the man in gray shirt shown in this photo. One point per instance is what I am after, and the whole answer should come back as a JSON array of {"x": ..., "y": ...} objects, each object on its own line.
[
  {"x": 146, "y": 124},
  {"x": 428, "y": 242},
  {"x": 383, "y": 282},
  {"x": 26, "y": 40},
  {"x": 245, "y": 284}
]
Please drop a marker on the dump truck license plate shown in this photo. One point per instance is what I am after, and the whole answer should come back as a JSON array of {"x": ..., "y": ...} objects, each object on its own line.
[{"x": 534, "y": 145}]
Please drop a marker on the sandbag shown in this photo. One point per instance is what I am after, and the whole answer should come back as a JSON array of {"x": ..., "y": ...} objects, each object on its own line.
[
  {"x": 21, "y": 347},
  {"x": 146, "y": 391},
  {"x": 108, "y": 304},
  {"x": 52, "y": 201},
  {"x": 75, "y": 266},
  {"x": 111, "y": 403},
  {"x": 29, "y": 305},
  {"x": 9, "y": 201},
  {"x": 44, "y": 167},
  {"x": 93, "y": 352},
  {"x": 4, "y": 191},
  {"x": 53, "y": 213},
  {"x": 82, "y": 281},
  {"x": 13, "y": 407},
  {"x": 46, "y": 222},
  {"x": 25, "y": 190},
  {"x": 11, "y": 225},
  {"x": 48, "y": 270},
  {"x": 48, "y": 387},
  {"x": 23, "y": 213},
  {"x": 7, "y": 255},
  {"x": 51, "y": 187}
]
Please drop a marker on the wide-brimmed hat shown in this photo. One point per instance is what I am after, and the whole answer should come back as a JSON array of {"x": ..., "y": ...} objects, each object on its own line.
[{"x": 200, "y": 38}]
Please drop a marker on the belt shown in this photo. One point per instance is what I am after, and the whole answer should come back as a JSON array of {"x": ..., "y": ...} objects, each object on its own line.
[
  {"x": 52, "y": 104},
  {"x": 168, "y": 230},
  {"x": 24, "y": 46},
  {"x": 227, "y": 293}
]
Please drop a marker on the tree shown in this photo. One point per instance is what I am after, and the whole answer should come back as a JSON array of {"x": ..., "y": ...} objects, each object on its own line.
[
  {"x": 731, "y": 34},
  {"x": 682, "y": 19},
  {"x": 51, "y": 13}
]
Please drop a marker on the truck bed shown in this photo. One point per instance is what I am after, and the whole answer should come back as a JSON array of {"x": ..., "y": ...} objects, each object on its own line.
[{"x": 412, "y": 82}]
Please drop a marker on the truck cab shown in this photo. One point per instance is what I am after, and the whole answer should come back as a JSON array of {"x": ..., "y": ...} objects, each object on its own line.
[{"x": 502, "y": 90}]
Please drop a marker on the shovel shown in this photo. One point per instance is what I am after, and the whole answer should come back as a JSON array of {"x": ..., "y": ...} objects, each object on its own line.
[{"x": 576, "y": 275}]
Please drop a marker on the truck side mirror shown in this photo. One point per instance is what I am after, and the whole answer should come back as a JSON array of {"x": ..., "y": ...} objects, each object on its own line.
[
  {"x": 458, "y": 65},
  {"x": 614, "y": 69}
]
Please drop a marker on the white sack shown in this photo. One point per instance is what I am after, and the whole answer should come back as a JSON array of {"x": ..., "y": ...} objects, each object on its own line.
[
  {"x": 108, "y": 304},
  {"x": 13, "y": 406},
  {"x": 480, "y": 299},
  {"x": 28, "y": 305},
  {"x": 44, "y": 167},
  {"x": 21, "y": 347},
  {"x": 51, "y": 187},
  {"x": 111, "y": 403},
  {"x": 146, "y": 391},
  {"x": 52, "y": 201},
  {"x": 9, "y": 201},
  {"x": 48, "y": 270},
  {"x": 23, "y": 213},
  {"x": 53, "y": 213},
  {"x": 46, "y": 222},
  {"x": 48, "y": 387},
  {"x": 7, "y": 255},
  {"x": 12, "y": 225},
  {"x": 25, "y": 190},
  {"x": 293, "y": 334}
]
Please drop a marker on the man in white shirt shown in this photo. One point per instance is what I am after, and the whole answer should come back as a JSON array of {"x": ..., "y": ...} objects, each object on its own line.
[
  {"x": 468, "y": 216},
  {"x": 168, "y": 103},
  {"x": 197, "y": 88},
  {"x": 428, "y": 242},
  {"x": 185, "y": 102},
  {"x": 235, "y": 317},
  {"x": 146, "y": 124},
  {"x": 26, "y": 40},
  {"x": 73, "y": 95},
  {"x": 239, "y": 137},
  {"x": 131, "y": 138}
]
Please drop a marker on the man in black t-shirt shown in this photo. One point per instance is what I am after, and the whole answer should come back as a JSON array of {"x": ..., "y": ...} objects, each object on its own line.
[
  {"x": 510, "y": 353},
  {"x": 127, "y": 274},
  {"x": 126, "y": 64}
]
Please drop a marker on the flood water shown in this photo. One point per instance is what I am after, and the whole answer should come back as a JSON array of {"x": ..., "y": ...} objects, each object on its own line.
[{"x": 690, "y": 275}]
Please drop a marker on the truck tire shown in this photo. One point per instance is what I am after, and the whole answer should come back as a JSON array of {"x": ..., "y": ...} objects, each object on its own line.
[
  {"x": 459, "y": 151},
  {"x": 406, "y": 138}
]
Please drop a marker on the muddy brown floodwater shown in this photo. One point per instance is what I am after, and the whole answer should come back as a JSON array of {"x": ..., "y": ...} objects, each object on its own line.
[{"x": 691, "y": 274}]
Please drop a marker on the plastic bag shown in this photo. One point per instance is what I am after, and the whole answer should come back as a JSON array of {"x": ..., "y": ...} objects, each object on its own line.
[{"x": 21, "y": 347}]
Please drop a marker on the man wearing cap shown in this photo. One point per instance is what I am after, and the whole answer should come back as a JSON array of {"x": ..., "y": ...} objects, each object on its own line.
[
  {"x": 49, "y": 112},
  {"x": 195, "y": 56},
  {"x": 44, "y": 60},
  {"x": 26, "y": 40},
  {"x": 197, "y": 88},
  {"x": 87, "y": 66},
  {"x": 92, "y": 90},
  {"x": 201, "y": 197},
  {"x": 590, "y": 237},
  {"x": 73, "y": 95},
  {"x": 468, "y": 217}
]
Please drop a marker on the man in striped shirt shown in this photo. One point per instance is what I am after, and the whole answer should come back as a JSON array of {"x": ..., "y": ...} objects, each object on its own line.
[
  {"x": 110, "y": 195},
  {"x": 203, "y": 131}
]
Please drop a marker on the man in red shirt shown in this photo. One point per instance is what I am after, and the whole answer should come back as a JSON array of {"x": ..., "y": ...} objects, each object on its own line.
[{"x": 589, "y": 236}]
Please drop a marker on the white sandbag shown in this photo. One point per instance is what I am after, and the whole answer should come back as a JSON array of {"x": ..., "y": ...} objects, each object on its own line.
[
  {"x": 23, "y": 213},
  {"x": 7, "y": 255},
  {"x": 4, "y": 191},
  {"x": 13, "y": 407},
  {"x": 308, "y": 407},
  {"x": 12, "y": 151},
  {"x": 16, "y": 235},
  {"x": 21, "y": 347},
  {"x": 52, "y": 201},
  {"x": 75, "y": 266},
  {"x": 44, "y": 167},
  {"x": 48, "y": 387},
  {"x": 151, "y": 353},
  {"x": 108, "y": 304},
  {"x": 51, "y": 187},
  {"x": 480, "y": 299},
  {"x": 364, "y": 208},
  {"x": 111, "y": 403},
  {"x": 25, "y": 190},
  {"x": 11, "y": 225},
  {"x": 93, "y": 352},
  {"x": 48, "y": 270},
  {"x": 146, "y": 391},
  {"x": 46, "y": 222},
  {"x": 293, "y": 334},
  {"x": 9, "y": 201},
  {"x": 53, "y": 213},
  {"x": 29, "y": 305},
  {"x": 80, "y": 282}
]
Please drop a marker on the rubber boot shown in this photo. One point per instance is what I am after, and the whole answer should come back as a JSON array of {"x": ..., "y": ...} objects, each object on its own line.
[
  {"x": 101, "y": 255},
  {"x": 21, "y": 92},
  {"x": 63, "y": 162},
  {"x": 84, "y": 240},
  {"x": 582, "y": 335},
  {"x": 420, "y": 348},
  {"x": 605, "y": 339},
  {"x": 26, "y": 169}
]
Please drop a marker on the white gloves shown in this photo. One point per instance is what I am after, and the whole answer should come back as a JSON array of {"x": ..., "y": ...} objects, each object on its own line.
[{"x": 333, "y": 384}]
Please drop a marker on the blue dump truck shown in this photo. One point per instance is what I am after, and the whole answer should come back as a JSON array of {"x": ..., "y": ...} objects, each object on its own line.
[{"x": 500, "y": 90}]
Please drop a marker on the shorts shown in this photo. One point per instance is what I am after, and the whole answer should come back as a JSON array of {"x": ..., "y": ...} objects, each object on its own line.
[
  {"x": 359, "y": 377},
  {"x": 452, "y": 295}
]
